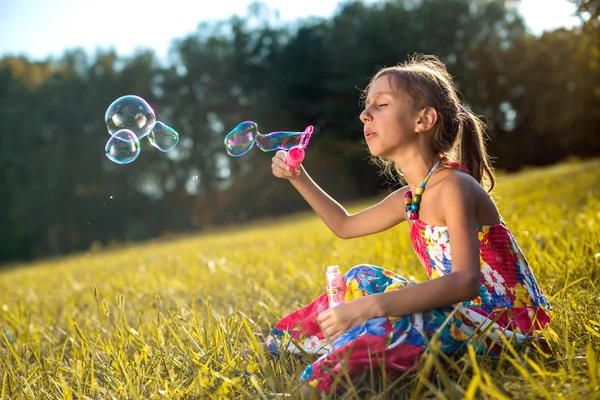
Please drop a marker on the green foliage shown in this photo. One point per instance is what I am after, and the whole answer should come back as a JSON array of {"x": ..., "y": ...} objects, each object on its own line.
[{"x": 541, "y": 97}]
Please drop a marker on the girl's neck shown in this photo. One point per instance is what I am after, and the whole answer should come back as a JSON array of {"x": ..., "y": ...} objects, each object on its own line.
[{"x": 414, "y": 165}]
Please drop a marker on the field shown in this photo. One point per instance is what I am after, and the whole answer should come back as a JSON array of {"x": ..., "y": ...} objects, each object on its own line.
[{"x": 167, "y": 319}]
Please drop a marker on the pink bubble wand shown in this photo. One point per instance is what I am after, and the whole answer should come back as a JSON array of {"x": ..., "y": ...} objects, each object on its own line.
[
  {"x": 296, "y": 154},
  {"x": 243, "y": 137}
]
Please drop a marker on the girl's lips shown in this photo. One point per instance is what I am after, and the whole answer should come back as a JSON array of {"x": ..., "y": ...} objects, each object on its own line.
[{"x": 369, "y": 134}]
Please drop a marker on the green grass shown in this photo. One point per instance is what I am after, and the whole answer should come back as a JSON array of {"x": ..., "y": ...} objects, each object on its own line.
[{"x": 167, "y": 319}]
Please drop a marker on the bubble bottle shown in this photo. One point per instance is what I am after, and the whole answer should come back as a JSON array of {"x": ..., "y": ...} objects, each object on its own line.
[{"x": 335, "y": 286}]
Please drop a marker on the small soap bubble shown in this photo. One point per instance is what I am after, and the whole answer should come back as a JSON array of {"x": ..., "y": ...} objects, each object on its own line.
[
  {"x": 163, "y": 137},
  {"x": 241, "y": 139},
  {"x": 123, "y": 147},
  {"x": 132, "y": 113}
]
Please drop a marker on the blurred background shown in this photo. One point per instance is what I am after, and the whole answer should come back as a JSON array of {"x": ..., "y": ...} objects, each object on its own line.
[{"x": 531, "y": 67}]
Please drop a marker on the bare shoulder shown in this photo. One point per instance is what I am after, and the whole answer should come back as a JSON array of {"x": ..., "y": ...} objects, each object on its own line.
[
  {"x": 396, "y": 198},
  {"x": 397, "y": 194},
  {"x": 461, "y": 193},
  {"x": 400, "y": 192},
  {"x": 460, "y": 184}
]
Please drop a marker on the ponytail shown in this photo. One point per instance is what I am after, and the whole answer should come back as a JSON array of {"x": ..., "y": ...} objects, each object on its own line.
[{"x": 472, "y": 151}]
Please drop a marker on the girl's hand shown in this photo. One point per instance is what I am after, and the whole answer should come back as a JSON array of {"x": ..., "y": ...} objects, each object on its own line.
[
  {"x": 338, "y": 320},
  {"x": 281, "y": 169}
]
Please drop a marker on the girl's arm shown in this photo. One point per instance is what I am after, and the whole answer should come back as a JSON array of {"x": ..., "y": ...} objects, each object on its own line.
[
  {"x": 462, "y": 284},
  {"x": 384, "y": 215}
]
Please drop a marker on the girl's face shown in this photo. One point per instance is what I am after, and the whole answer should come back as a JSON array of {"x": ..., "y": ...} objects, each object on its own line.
[{"x": 388, "y": 118}]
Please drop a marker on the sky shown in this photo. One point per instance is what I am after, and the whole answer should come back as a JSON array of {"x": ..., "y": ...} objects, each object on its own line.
[{"x": 41, "y": 28}]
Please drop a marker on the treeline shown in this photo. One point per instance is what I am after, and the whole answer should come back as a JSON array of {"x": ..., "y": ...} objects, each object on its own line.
[{"x": 59, "y": 193}]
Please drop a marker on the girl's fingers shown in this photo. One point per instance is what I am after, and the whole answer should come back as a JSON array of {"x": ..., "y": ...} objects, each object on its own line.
[
  {"x": 280, "y": 155},
  {"x": 282, "y": 173},
  {"x": 281, "y": 163},
  {"x": 323, "y": 316},
  {"x": 284, "y": 169},
  {"x": 280, "y": 168}
]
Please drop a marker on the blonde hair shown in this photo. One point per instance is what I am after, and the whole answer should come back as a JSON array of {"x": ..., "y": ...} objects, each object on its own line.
[{"x": 458, "y": 133}]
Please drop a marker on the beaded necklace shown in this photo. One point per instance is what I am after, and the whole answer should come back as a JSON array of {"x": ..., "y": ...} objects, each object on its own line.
[{"x": 413, "y": 202}]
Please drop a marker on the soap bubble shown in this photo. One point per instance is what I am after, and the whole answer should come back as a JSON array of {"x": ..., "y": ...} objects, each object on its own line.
[
  {"x": 123, "y": 147},
  {"x": 279, "y": 140},
  {"x": 241, "y": 139},
  {"x": 132, "y": 113},
  {"x": 163, "y": 137}
]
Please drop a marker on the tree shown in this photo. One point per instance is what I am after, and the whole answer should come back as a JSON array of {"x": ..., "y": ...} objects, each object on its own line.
[{"x": 62, "y": 194}]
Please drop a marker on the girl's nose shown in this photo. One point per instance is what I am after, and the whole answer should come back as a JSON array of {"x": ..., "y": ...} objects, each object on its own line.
[{"x": 365, "y": 116}]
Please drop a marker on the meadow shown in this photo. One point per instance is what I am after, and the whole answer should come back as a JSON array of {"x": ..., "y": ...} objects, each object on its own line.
[{"x": 169, "y": 318}]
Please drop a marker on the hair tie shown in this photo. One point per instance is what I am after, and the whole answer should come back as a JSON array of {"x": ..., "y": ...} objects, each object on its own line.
[{"x": 461, "y": 108}]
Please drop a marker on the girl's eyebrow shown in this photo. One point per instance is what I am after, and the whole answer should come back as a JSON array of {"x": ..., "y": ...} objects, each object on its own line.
[{"x": 376, "y": 95}]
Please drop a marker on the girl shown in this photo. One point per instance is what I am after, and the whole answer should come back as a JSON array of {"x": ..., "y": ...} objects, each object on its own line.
[{"x": 415, "y": 125}]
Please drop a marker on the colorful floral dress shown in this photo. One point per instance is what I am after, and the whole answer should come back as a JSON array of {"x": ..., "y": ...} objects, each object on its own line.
[{"x": 510, "y": 301}]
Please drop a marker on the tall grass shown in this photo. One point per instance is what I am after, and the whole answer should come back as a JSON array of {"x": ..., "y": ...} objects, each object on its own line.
[{"x": 168, "y": 319}]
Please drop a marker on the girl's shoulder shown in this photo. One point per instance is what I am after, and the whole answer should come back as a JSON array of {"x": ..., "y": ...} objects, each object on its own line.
[
  {"x": 456, "y": 180},
  {"x": 459, "y": 190}
]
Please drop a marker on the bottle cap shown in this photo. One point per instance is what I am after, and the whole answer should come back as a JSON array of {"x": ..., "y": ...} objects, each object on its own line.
[{"x": 332, "y": 269}]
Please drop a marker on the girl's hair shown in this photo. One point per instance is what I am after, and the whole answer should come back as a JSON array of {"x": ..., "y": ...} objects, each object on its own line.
[{"x": 458, "y": 133}]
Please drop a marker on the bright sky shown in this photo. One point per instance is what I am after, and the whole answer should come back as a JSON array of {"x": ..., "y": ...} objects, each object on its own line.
[{"x": 39, "y": 28}]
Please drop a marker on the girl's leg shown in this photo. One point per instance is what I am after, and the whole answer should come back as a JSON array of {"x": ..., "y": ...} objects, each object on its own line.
[
  {"x": 299, "y": 333},
  {"x": 364, "y": 346}
]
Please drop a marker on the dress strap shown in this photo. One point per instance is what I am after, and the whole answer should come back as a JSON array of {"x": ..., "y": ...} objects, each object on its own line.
[{"x": 453, "y": 164}]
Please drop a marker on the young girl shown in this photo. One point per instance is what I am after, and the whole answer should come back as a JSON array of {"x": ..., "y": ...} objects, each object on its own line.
[{"x": 480, "y": 280}]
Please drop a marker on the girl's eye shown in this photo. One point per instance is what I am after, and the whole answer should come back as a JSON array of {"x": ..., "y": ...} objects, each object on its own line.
[{"x": 381, "y": 105}]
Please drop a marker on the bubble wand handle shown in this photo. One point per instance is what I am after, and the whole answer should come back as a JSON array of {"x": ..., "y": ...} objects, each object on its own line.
[{"x": 296, "y": 154}]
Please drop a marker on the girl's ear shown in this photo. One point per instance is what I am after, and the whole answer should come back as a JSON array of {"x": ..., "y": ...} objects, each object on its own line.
[{"x": 426, "y": 119}]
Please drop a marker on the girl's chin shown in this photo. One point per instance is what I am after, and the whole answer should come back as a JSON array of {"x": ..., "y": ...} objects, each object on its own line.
[{"x": 376, "y": 152}]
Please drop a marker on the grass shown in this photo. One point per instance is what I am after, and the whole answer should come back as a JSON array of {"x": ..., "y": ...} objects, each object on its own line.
[{"x": 167, "y": 319}]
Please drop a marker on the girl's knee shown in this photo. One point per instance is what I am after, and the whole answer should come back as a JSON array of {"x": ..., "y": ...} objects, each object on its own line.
[{"x": 360, "y": 269}]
